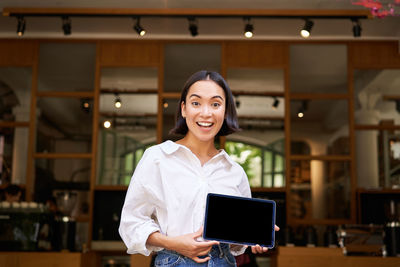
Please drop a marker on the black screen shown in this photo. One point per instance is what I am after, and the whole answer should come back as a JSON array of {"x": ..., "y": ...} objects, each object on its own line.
[{"x": 240, "y": 220}]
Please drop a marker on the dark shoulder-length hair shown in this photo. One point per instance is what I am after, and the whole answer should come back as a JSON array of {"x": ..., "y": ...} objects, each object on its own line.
[{"x": 230, "y": 124}]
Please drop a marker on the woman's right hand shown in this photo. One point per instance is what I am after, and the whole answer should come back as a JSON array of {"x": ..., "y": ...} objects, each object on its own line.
[{"x": 188, "y": 246}]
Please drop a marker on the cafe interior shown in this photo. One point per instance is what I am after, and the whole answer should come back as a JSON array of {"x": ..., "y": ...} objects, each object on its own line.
[{"x": 86, "y": 87}]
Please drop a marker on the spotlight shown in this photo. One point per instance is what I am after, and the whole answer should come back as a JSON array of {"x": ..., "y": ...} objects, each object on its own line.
[
  {"x": 66, "y": 21},
  {"x": 305, "y": 32},
  {"x": 139, "y": 28},
  {"x": 302, "y": 109},
  {"x": 276, "y": 103},
  {"x": 21, "y": 25},
  {"x": 107, "y": 124},
  {"x": 118, "y": 102},
  {"x": 165, "y": 104},
  {"x": 193, "y": 26},
  {"x": 248, "y": 28},
  {"x": 356, "y": 28},
  {"x": 85, "y": 105}
]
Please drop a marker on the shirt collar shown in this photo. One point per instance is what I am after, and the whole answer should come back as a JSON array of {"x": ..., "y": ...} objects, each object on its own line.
[{"x": 170, "y": 147}]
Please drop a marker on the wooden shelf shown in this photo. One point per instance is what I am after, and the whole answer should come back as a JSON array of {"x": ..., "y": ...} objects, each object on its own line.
[
  {"x": 378, "y": 191},
  {"x": 14, "y": 124}
]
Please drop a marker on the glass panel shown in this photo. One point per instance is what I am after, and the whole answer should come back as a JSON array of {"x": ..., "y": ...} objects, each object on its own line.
[
  {"x": 255, "y": 80},
  {"x": 378, "y": 158},
  {"x": 182, "y": 60},
  {"x": 321, "y": 126},
  {"x": 55, "y": 176},
  {"x": 129, "y": 78},
  {"x": 13, "y": 156},
  {"x": 15, "y": 100},
  {"x": 66, "y": 67},
  {"x": 121, "y": 152},
  {"x": 318, "y": 68},
  {"x": 15, "y": 93},
  {"x": 170, "y": 107},
  {"x": 64, "y": 125},
  {"x": 320, "y": 189},
  {"x": 131, "y": 126},
  {"x": 261, "y": 119},
  {"x": 377, "y": 96}
]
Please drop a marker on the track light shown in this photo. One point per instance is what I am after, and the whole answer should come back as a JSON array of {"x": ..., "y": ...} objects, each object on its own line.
[
  {"x": 118, "y": 102},
  {"x": 248, "y": 28},
  {"x": 275, "y": 104},
  {"x": 20, "y": 25},
  {"x": 305, "y": 32},
  {"x": 193, "y": 28},
  {"x": 302, "y": 109},
  {"x": 66, "y": 25},
  {"x": 85, "y": 104},
  {"x": 356, "y": 28},
  {"x": 139, "y": 29}
]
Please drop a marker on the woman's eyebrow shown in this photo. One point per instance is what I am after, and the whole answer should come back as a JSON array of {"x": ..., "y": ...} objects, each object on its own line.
[{"x": 216, "y": 96}]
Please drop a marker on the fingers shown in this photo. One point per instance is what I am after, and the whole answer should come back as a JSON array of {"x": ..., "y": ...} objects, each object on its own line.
[
  {"x": 277, "y": 228},
  {"x": 200, "y": 260},
  {"x": 258, "y": 249}
]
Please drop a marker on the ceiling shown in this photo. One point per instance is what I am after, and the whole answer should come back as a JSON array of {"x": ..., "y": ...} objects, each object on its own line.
[{"x": 209, "y": 28}]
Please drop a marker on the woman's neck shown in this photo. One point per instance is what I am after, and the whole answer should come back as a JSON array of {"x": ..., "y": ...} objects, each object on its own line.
[{"x": 203, "y": 150}]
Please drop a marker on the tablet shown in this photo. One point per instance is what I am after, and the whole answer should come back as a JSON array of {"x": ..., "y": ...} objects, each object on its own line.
[{"x": 240, "y": 220}]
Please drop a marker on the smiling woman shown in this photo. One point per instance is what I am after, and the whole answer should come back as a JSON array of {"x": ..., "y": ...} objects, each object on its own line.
[{"x": 165, "y": 202}]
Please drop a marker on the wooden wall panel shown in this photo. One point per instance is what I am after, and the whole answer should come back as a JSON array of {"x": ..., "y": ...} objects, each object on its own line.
[
  {"x": 129, "y": 53},
  {"x": 255, "y": 54},
  {"x": 17, "y": 53},
  {"x": 375, "y": 54}
]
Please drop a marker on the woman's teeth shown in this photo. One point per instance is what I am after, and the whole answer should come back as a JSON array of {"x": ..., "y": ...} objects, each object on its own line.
[{"x": 204, "y": 124}]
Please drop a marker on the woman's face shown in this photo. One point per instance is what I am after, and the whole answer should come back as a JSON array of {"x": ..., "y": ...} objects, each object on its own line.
[{"x": 204, "y": 110}]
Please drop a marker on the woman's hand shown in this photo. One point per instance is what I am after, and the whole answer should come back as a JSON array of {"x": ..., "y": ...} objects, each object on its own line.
[
  {"x": 259, "y": 249},
  {"x": 186, "y": 245}
]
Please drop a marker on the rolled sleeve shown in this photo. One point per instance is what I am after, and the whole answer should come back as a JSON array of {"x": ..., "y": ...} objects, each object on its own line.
[{"x": 137, "y": 217}]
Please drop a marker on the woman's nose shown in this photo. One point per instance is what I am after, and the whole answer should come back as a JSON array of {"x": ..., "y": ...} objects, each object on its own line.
[{"x": 205, "y": 110}]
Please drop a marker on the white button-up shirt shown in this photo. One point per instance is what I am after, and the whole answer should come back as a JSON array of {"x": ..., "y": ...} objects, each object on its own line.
[{"x": 168, "y": 191}]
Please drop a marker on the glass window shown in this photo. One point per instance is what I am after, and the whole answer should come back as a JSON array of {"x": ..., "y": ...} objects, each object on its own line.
[
  {"x": 320, "y": 189},
  {"x": 377, "y": 97},
  {"x": 317, "y": 68},
  {"x": 67, "y": 67},
  {"x": 64, "y": 125},
  {"x": 322, "y": 125}
]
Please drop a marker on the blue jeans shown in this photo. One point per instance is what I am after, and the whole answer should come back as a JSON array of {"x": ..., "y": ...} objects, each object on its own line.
[{"x": 220, "y": 257}]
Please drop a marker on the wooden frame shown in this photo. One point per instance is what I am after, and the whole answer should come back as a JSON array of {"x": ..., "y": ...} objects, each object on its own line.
[{"x": 361, "y": 55}]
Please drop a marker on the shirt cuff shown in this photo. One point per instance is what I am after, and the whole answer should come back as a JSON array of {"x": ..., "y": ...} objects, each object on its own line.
[{"x": 142, "y": 233}]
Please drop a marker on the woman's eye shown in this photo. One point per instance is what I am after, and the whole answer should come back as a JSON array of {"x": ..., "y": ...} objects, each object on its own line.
[
  {"x": 195, "y": 103},
  {"x": 216, "y": 105}
]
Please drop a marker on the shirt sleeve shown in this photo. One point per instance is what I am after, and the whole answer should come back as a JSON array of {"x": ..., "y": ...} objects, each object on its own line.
[
  {"x": 137, "y": 220},
  {"x": 244, "y": 189}
]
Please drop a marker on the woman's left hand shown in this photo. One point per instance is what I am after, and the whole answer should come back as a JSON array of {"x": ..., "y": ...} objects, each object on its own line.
[{"x": 259, "y": 249}]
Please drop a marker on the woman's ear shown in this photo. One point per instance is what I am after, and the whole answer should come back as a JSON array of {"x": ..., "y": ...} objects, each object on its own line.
[{"x": 183, "y": 109}]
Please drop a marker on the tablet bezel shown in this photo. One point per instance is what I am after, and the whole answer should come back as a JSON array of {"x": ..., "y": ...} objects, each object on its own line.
[{"x": 271, "y": 245}]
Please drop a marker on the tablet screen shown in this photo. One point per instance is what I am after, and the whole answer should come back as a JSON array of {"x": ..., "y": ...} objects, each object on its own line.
[{"x": 240, "y": 220}]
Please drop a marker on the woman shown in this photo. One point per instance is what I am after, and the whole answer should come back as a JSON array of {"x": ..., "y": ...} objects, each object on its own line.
[{"x": 164, "y": 205}]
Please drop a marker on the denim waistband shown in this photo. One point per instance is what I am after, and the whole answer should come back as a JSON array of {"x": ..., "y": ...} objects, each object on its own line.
[{"x": 220, "y": 250}]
